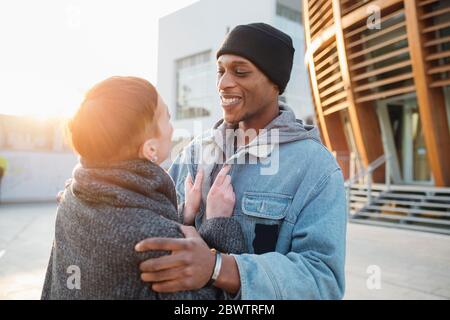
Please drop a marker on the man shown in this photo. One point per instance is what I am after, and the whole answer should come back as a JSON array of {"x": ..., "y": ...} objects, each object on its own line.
[{"x": 293, "y": 217}]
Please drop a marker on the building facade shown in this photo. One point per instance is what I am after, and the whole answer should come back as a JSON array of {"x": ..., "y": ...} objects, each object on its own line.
[
  {"x": 380, "y": 77},
  {"x": 38, "y": 159},
  {"x": 188, "y": 41}
]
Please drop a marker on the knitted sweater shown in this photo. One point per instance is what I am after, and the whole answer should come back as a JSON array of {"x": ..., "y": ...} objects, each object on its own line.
[{"x": 104, "y": 212}]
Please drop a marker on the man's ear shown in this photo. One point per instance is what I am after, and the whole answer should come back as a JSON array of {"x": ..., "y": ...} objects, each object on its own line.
[
  {"x": 277, "y": 89},
  {"x": 150, "y": 150}
]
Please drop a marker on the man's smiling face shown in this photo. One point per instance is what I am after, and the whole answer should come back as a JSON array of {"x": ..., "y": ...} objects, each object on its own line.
[{"x": 245, "y": 92}]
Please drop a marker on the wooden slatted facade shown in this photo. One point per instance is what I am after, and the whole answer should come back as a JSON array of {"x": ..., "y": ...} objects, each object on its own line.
[{"x": 362, "y": 52}]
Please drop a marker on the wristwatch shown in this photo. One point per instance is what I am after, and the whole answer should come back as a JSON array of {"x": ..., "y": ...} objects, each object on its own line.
[{"x": 216, "y": 269}]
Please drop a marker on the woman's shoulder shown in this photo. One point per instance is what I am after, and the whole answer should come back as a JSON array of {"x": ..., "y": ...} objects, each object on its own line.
[
  {"x": 139, "y": 225},
  {"x": 141, "y": 222},
  {"x": 115, "y": 224}
]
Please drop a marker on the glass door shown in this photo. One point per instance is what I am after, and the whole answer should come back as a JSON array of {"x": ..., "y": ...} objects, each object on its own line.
[{"x": 403, "y": 140}]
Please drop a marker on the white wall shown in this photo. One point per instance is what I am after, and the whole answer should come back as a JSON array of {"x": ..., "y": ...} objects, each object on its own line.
[{"x": 35, "y": 176}]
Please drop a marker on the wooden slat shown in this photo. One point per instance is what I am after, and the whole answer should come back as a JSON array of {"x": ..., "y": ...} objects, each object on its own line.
[
  {"x": 317, "y": 13},
  {"x": 348, "y": 20},
  {"x": 326, "y": 61},
  {"x": 385, "y": 94},
  {"x": 317, "y": 5},
  {"x": 336, "y": 108},
  {"x": 439, "y": 69},
  {"x": 314, "y": 18},
  {"x": 440, "y": 83},
  {"x": 361, "y": 14},
  {"x": 363, "y": 120},
  {"x": 439, "y": 55},
  {"x": 336, "y": 87},
  {"x": 378, "y": 46},
  {"x": 384, "y": 82},
  {"x": 431, "y": 103},
  {"x": 331, "y": 68},
  {"x": 379, "y": 58},
  {"x": 324, "y": 52},
  {"x": 424, "y": 3},
  {"x": 326, "y": 18},
  {"x": 378, "y": 71},
  {"x": 364, "y": 26},
  {"x": 312, "y": 4},
  {"x": 437, "y": 41},
  {"x": 313, "y": 80},
  {"x": 376, "y": 34},
  {"x": 334, "y": 98},
  {"x": 435, "y": 13},
  {"x": 437, "y": 27},
  {"x": 331, "y": 79},
  {"x": 354, "y": 6}
]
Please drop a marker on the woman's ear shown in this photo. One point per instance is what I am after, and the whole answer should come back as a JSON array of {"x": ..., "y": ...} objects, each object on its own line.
[{"x": 150, "y": 150}]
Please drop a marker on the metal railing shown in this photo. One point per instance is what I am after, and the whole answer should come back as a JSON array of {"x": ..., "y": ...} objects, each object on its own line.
[{"x": 365, "y": 176}]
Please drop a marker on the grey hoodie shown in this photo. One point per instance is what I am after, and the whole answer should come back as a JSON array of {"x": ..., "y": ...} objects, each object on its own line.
[{"x": 283, "y": 129}]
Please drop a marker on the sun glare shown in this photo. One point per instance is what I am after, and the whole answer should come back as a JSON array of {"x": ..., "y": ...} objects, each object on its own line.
[{"x": 53, "y": 54}]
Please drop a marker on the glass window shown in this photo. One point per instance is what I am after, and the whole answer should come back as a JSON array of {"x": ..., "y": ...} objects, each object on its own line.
[
  {"x": 195, "y": 86},
  {"x": 447, "y": 104},
  {"x": 297, "y": 93},
  {"x": 288, "y": 13}
]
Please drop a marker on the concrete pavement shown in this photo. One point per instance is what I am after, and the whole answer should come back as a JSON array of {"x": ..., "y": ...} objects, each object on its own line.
[{"x": 382, "y": 263}]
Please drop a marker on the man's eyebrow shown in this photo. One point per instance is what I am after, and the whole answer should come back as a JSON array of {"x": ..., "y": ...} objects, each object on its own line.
[{"x": 239, "y": 62}]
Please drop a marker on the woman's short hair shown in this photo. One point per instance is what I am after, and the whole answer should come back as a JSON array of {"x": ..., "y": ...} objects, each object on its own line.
[{"x": 114, "y": 119}]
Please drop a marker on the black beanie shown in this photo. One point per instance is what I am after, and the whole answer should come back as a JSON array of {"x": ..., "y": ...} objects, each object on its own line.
[{"x": 268, "y": 48}]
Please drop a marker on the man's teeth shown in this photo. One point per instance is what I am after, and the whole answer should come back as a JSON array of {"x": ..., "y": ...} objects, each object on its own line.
[{"x": 230, "y": 100}]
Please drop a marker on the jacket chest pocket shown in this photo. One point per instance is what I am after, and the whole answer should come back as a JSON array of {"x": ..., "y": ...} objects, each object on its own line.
[{"x": 263, "y": 214}]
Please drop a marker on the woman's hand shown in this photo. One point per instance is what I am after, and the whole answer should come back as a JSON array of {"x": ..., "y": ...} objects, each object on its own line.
[
  {"x": 221, "y": 198},
  {"x": 193, "y": 197}
]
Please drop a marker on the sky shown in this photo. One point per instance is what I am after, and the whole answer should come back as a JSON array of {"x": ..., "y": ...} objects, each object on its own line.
[{"x": 53, "y": 51}]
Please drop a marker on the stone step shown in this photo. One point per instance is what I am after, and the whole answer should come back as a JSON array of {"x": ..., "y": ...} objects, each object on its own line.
[
  {"x": 397, "y": 217},
  {"x": 383, "y": 208}
]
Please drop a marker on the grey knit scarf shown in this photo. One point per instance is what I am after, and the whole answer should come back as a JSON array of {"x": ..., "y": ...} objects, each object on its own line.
[{"x": 130, "y": 184}]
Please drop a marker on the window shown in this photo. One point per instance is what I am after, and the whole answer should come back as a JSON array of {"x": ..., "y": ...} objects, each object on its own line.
[
  {"x": 195, "y": 86},
  {"x": 288, "y": 13},
  {"x": 297, "y": 93}
]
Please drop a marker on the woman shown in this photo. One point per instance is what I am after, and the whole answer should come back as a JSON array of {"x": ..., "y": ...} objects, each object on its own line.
[{"x": 119, "y": 195}]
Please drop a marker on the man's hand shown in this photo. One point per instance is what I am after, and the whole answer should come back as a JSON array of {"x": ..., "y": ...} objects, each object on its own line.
[
  {"x": 189, "y": 267},
  {"x": 193, "y": 197}
]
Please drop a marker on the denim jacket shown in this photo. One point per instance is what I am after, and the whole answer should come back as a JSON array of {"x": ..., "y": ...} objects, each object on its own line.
[{"x": 290, "y": 201}]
